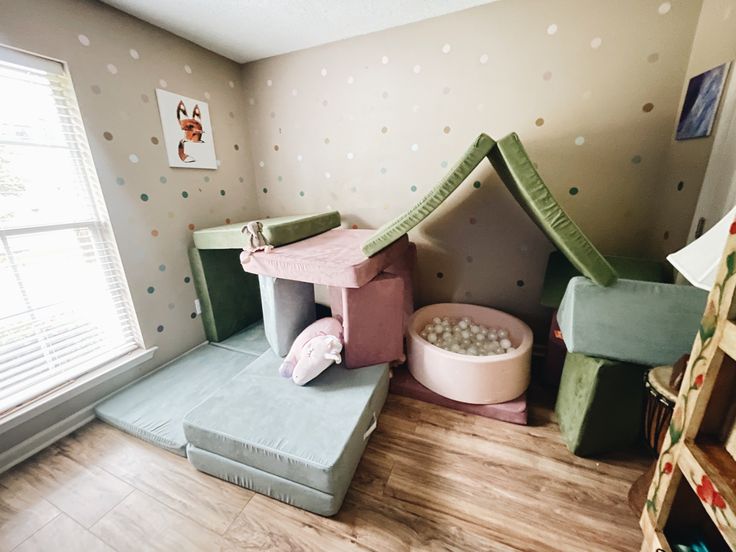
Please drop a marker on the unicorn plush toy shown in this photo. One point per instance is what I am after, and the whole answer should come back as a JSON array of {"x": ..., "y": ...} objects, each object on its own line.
[{"x": 314, "y": 350}]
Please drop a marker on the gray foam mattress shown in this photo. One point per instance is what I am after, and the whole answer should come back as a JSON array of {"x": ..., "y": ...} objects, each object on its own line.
[
  {"x": 312, "y": 435},
  {"x": 251, "y": 340},
  {"x": 154, "y": 407}
]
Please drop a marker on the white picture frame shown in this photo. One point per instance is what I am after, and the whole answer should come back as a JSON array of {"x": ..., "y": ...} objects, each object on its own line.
[{"x": 187, "y": 130}]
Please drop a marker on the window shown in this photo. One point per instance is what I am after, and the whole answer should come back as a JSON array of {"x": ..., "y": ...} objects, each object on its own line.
[{"x": 65, "y": 307}]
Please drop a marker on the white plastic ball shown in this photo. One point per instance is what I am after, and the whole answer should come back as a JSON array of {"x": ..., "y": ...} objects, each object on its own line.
[
  {"x": 503, "y": 334},
  {"x": 505, "y": 343},
  {"x": 432, "y": 337}
]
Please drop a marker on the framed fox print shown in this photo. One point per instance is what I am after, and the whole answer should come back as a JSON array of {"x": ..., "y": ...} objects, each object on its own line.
[{"x": 187, "y": 131}]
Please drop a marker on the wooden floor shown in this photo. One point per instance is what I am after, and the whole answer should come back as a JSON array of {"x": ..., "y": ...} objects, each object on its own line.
[{"x": 431, "y": 479}]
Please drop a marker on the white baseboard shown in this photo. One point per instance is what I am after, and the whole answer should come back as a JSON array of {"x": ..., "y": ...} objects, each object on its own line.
[{"x": 43, "y": 439}]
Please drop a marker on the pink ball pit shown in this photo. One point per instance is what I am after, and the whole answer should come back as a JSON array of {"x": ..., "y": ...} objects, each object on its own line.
[{"x": 487, "y": 379}]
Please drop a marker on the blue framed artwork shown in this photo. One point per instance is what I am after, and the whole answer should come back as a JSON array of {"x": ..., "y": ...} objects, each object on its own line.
[{"x": 701, "y": 103}]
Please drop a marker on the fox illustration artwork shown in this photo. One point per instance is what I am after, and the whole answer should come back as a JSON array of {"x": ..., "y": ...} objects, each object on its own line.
[{"x": 191, "y": 127}]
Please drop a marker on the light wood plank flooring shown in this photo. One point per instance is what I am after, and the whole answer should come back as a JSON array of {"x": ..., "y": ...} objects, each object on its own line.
[{"x": 431, "y": 479}]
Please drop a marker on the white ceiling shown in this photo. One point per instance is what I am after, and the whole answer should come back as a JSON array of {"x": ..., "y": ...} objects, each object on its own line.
[{"x": 247, "y": 30}]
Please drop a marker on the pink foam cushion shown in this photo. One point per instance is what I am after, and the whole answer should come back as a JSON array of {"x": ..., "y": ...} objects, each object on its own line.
[
  {"x": 373, "y": 320},
  {"x": 333, "y": 258},
  {"x": 514, "y": 411}
]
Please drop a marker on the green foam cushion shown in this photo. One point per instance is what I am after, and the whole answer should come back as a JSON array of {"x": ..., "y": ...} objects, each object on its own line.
[
  {"x": 393, "y": 230},
  {"x": 599, "y": 404},
  {"x": 560, "y": 271},
  {"x": 643, "y": 322},
  {"x": 277, "y": 231},
  {"x": 229, "y": 297},
  {"x": 521, "y": 178}
]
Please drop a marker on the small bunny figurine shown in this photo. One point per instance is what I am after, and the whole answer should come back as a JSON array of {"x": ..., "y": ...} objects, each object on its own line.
[{"x": 256, "y": 241}]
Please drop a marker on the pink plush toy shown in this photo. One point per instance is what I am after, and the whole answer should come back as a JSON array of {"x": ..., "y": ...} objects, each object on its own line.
[
  {"x": 317, "y": 355},
  {"x": 305, "y": 348}
]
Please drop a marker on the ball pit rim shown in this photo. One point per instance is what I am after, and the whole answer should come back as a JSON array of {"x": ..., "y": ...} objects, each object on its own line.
[{"x": 527, "y": 338}]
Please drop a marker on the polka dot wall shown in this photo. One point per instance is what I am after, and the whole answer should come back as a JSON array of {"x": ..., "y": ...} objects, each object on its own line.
[
  {"x": 116, "y": 63},
  {"x": 375, "y": 124}
]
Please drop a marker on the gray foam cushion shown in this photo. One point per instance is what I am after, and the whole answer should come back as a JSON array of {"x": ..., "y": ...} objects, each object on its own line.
[
  {"x": 251, "y": 340},
  {"x": 287, "y": 491},
  {"x": 288, "y": 307},
  {"x": 153, "y": 408},
  {"x": 645, "y": 323},
  {"x": 312, "y": 435}
]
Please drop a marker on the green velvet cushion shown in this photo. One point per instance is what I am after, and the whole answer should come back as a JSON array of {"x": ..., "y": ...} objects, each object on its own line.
[
  {"x": 393, "y": 230},
  {"x": 277, "y": 231},
  {"x": 643, "y": 322},
  {"x": 560, "y": 271},
  {"x": 521, "y": 178},
  {"x": 230, "y": 298},
  {"x": 599, "y": 404}
]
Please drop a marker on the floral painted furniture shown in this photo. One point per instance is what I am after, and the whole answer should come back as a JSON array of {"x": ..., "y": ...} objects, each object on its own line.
[{"x": 694, "y": 446}]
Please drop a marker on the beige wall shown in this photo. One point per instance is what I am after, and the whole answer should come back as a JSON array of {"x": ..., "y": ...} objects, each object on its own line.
[
  {"x": 334, "y": 127},
  {"x": 124, "y": 105},
  {"x": 343, "y": 139},
  {"x": 686, "y": 161}
]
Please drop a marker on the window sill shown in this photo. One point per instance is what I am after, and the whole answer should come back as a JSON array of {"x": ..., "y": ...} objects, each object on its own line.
[{"x": 84, "y": 383}]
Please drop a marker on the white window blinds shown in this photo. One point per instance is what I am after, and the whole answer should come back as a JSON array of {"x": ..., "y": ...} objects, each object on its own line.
[{"x": 65, "y": 308}]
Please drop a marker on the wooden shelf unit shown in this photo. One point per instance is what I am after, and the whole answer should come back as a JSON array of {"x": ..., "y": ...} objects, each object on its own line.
[{"x": 694, "y": 451}]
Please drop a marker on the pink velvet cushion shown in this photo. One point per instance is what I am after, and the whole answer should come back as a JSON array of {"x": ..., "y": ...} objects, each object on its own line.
[{"x": 333, "y": 258}]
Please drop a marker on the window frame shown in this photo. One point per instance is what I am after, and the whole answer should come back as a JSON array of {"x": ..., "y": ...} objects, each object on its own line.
[{"x": 103, "y": 232}]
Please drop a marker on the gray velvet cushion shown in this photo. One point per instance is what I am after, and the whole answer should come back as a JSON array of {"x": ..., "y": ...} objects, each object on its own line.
[
  {"x": 301, "y": 496},
  {"x": 288, "y": 307},
  {"x": 153, "y": 408},
  {"x": 313, "y": 435},
  {"x": 645, "y": 323},
  {"x": 251, "y": 340}
]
